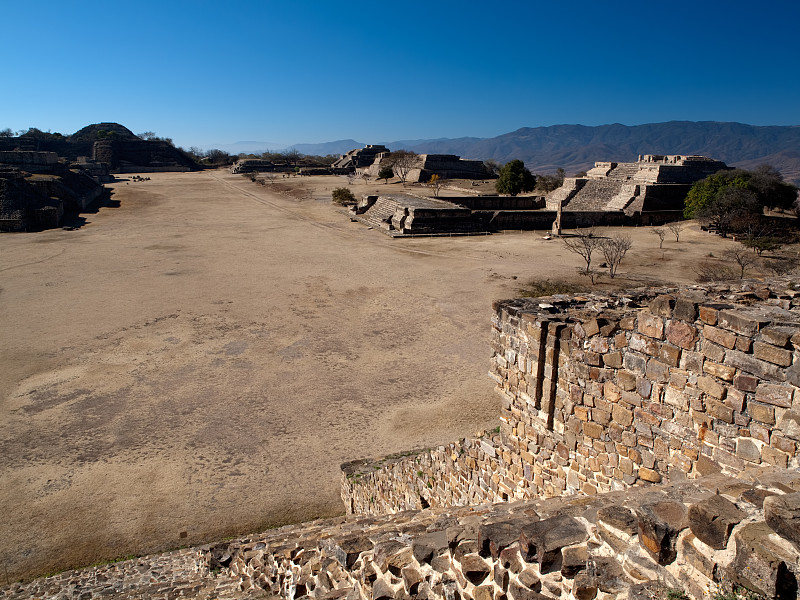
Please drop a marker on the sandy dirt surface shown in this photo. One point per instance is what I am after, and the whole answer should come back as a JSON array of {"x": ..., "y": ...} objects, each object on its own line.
[{"x": 197, "y": 361}]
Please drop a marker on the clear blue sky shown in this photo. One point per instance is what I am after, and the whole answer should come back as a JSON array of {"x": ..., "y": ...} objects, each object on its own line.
[{"x": 207, "y": 73}]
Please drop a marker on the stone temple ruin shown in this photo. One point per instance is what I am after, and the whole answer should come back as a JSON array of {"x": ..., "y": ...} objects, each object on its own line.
[
  {"x": 650, "y": 191},
  {"x": 648, "y": 447},
  {"x": 36, "y": 189},
  {"x": 653, "y": 183}
]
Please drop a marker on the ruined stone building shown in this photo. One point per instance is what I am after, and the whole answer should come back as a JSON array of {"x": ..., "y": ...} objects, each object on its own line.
[
  {"x": 654, "y": 183},
  {"x": 446, "y": 166},
  {"x": 358, "y": 158},
  {"x": 36, "y": 189}
]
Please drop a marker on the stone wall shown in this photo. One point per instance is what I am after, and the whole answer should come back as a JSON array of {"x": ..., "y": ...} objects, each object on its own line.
[
  {"x": 643, "y": 543},
  {"x": 604, "y": 392}
]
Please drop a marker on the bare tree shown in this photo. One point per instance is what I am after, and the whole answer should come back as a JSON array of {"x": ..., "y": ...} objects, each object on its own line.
[
  {"x": 583, "y": 243},
  {"x": 436, "y": 183},
  {"x": 401, "y": 162},
  {"x": 271, "y": 177},
  {"x": 661, "y": 233},
  {"x": 365, "y": 176},
  {"x": 676, "y": 227},
  {"x": 614, "y": 250},
  {"x": 741, "y": 256}
]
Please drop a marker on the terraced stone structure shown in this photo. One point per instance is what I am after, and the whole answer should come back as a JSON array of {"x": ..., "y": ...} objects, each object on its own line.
[{"x": 654, "y": 183}]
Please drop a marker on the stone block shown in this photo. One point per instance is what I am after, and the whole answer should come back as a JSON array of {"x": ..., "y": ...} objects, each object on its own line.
[
  {"x": 711, "y": 387},
  {"x": 777, "y": 395},
  {"x": 692, "y": 361},
  {"x": 708, "y": 314},
  {"x": 748, "y": 449},
  {"x": 641, "y": 343},
  {"x": 659, "y": 526},
  {"x": 754, "y": 366},
  {"x": 696, "y": 557},
  {"x": 720, "y": 336},
  {"x": 650, "y": 475},
  {"x": 777, "y": 336},
  {"x": 493, "y": 538},
  {"x": 717, "y": 370},
  {"x": 705, "y": 466},
  {"x": 789, "y": 424},
  {"x": 542, "y": 541},
  {"x": 669, "y": 355},
  {"x": 510, "y": 559},
  {"x": 626, "y": 380},
  {"x": 574, "y": 560},
  {"x": 657, "y": 371},
  {"x": 761, "y": 412},
  {"x": 613, "y": 360},
  {"x": 584, "y": 586},
  {"x": 744, "y": 344},
  {"x": 782, "y": 514},
  {"x": 770, "y": 353},
  {"x": 712, "y": 520},
  {"x": 735, "y": 399},
  {"x": 429, "y": 545},
  {"x": 621, "y": 415},
  {"x": 676, "y": 398},
  {"x": 746, "y": 383},
  {"x": 760, "y": 564},
  {"x": 740, "y": 321},
  {"x": 681, "y": 334},
  {"x": 530, "y": 579},
  {"x": 685, "y": 310},
  {"x": 619, "y": 517},
  {"x": 650, "y": 325},
  {"x": 627, "y": 323},
  {"x": 662, "y": 305},
  {"x": 775, "y": 457},
  {"x": 713, "y": 351},
  {"x": 635, "y": 363}
]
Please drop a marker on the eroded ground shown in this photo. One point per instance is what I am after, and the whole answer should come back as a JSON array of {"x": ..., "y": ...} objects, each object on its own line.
[{"x": 198, "y": 361}]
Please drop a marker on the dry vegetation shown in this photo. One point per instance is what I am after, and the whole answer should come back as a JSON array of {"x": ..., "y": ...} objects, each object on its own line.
[{"x": 198, "y": 362}]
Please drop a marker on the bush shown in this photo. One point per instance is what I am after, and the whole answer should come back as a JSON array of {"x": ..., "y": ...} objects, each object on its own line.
[{"x": 343, "y": 197}]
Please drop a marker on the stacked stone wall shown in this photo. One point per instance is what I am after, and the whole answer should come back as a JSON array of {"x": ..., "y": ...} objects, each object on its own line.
[
  {"x": 688, "y": 537},
  {"x": 604, "y": 392}
]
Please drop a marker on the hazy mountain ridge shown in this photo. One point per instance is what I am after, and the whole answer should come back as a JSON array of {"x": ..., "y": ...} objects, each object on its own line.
[{"x": 577, "y": 147}]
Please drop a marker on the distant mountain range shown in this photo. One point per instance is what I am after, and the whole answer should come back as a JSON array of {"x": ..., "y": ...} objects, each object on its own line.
[{"x": 576, "y": 147}]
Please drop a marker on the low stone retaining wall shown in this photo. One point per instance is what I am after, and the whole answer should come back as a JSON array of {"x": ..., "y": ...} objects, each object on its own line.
[
  {"x": 604, "y": 392},
  {"x": 643, "y": 543}
]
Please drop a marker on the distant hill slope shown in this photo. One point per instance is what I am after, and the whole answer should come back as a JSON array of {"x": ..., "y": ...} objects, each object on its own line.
[{"x": 577, "y": 147}]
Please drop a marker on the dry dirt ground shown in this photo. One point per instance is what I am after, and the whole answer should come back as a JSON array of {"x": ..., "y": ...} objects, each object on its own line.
[{"x": 197, "y": 361}]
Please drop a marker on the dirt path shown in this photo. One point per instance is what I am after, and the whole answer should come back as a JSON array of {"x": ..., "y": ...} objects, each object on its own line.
[{"x": 197, "y": 362}]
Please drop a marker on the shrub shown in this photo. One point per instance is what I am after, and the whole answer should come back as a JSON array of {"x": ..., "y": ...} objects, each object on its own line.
[{"x": 343, "y": 197}]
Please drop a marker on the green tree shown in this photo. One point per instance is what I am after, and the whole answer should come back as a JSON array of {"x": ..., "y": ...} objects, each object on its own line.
[
  {"x": 765, "y": 184},
  {"x": 386, "y": 174},
  {"x": 515, "y": 178}
]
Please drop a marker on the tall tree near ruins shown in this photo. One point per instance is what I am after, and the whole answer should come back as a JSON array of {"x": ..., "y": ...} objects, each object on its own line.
[
  {"x": 515, "y": 178},
  {"x": 401, "y": 162}
]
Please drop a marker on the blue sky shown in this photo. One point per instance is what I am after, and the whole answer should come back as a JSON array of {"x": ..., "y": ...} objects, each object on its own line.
[{"x": 208, "y": 73}]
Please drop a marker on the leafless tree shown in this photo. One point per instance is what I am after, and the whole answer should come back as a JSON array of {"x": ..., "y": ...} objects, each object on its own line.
[
  {"x": 271, "y": 177},
  {"x": 614, "y": 250},
  {"x": 676, "y": 227},
  {"x": 583, "y": 243},
  {"x": 436, "y": 183},
  {"x": 661, "y": 233},
  {"x": 741, "y": 256},
  {"x": 365, "y": 176},
  {"x": 401, "y": 162}
]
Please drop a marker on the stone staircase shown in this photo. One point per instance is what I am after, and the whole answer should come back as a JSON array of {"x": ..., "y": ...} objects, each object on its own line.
[
  {"x": 627, "y": 194},
  {"x": 624, "y": 172},
  {"x": 595, "y": 195},
  {"x": 379, "y": 215}
]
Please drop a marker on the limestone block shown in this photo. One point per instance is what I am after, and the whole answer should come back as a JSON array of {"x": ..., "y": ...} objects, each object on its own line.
[
  {"x": 777, "y": 395},
  {"x": 542, "y": 541},
  {"x": 662, "y": 305},
  {"x": 712, "y": 520},
  {"x": 493, "y": 538},
  {"x": 754, "y": 366},
  {"x": 520, "y": 592},
  {"x": 746, "y": 383},
  {"x": 685, "y": 310},
  {"x": 475, "y": 569},
  {"x": 772, "y": 354},
  {"x": 651, "y": 325},
  {"x": 720, "y": 336},
  {"x": 681, "y": 334},
  {"x": 760, "y": 564},
  {"x": 425, "y": 547},
  {"x": 746, "y": 323},
  {"x": 659, "y": 526},
  {"x": 782, "y": 514}
]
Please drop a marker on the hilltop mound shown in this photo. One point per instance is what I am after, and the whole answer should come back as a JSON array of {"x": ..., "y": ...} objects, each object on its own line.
[{"x": 100, "y": 131}]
